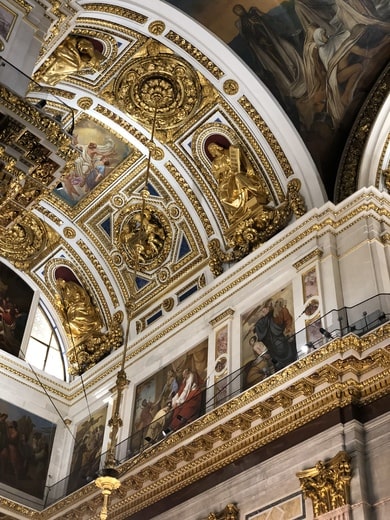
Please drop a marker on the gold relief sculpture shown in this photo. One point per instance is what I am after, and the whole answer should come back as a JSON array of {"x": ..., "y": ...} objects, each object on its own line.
[
  {"x": 252, "y": 220},
  {"x": 20, "y": 190},
  {"x": 74, "y": 55},
  {"x": 230, "y": 87},
  {"x": 143, "y": 235},
  {"x": 85, "y": 103},
  {"x": 83, "y": 325},
  {"x": 328, "y": 483},
  {"x": 27, "y": 241},
  {"x": 158, "y": 80},
  {"x": 238, "y": 187},
  {"x": 157, "y": 27},
  {"x": 296, "y": 201},
  {"x": 230, "y": 512}
]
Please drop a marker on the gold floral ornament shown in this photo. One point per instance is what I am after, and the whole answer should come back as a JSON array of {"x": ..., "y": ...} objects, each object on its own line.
[
  {"x": 160, "y": 80},
  {"x": 27, "y": 241},
  {"x": 74, "y": 55},
  {"x": 328, "y": 483},
  {"x": 247, "y": 205},
  {"x": 83, "y": 325}
]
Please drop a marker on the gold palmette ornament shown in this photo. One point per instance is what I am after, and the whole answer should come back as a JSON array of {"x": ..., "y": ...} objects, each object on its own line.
[{"x": 108, "y": 480}]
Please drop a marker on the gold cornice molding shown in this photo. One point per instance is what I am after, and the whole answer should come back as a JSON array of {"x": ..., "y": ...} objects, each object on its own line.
[
  {"x": 322, "y": 382},
  {"x": 129, "y": 14},
  {"x": 268, "y": 135},
  {"x": 190, "y": 455},
  {"x": 313, "y": 255},
  {"x": 16, "y": 373},
  {"x": 234, "y": 282},
  {"x": 203, "y": 60},
  {"x": 224, "y": 315},
  {"x": 24, "y": 5},
  {"x": 347, "y": 176}
]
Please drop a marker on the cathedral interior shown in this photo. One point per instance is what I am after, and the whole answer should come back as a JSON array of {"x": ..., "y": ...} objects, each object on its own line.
[{"x": 195, "y": 253}]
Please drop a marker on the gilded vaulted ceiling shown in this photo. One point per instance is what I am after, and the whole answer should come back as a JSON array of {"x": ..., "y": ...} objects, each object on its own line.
[{"x": 158, "y": 90}]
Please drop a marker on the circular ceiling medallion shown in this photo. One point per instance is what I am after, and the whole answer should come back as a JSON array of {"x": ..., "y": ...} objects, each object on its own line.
[
  {"x": 161, "y": 82},
  {"x": 143, "y": 236}
]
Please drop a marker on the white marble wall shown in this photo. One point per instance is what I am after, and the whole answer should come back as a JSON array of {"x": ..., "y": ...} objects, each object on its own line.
[{"x": 267, "y": 488}]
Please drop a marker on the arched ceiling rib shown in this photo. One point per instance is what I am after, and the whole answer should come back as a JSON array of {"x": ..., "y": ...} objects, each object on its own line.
[{"x": 219, "y": 96}]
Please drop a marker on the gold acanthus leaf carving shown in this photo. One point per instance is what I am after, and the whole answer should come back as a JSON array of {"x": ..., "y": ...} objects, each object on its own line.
[{"x": 327, "y": 484}]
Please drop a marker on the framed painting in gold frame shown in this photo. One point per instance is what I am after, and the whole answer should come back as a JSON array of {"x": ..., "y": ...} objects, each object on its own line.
[{"x": 7, "y": 21}]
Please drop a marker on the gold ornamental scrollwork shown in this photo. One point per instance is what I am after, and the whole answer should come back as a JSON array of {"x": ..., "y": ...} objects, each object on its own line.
[
  {"x": 158, "y": 80},
  {"x": 27, "y": 241},
  {"x": 327, "y": 484}
]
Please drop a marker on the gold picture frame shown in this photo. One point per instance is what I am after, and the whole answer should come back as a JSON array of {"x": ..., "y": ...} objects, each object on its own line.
[{"x": 7, "y": 21}]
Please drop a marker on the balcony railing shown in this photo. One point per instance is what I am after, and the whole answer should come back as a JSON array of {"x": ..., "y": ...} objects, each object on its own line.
[{"x": 358, "y": 320}]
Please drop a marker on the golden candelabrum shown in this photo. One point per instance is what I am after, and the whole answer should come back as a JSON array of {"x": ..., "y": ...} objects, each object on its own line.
[{"x": 107, "y": 484}]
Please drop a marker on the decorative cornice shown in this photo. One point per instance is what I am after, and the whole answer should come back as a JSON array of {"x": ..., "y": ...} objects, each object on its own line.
[
  {"x": 347, "y": 176},
  {"x": 324, "y": 381},
  {"x": 313, "y": 255},
  {"x": 203, "y": 60}
]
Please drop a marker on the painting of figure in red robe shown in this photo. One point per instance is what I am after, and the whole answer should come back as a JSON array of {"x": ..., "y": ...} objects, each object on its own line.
[
  {"x": 15, "y": 303},
  {"x": 170, "y": 399}
]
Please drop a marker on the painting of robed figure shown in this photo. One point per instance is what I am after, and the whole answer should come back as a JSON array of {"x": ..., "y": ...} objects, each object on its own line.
[
  {"x": 170, "y": 399},
  {"x": 15, "y": 303},
  {"x": 26, "y": 442},
  {"x": 100, "y": 152},
  {"x": 319, "y": 58},
  {"x": 268, "y": 337},
  {"x": 87, "y": 450}
]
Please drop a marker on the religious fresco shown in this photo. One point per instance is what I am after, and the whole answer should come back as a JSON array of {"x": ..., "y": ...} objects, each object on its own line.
[
  {"x": 15, "y": 303},
  {"x": 100, "y": 153},
  {"x": 87, "y": 450},
  {"x": 267, "y": 337},
  {"x": 170, "y": 399},
  {"x": 26, "y": 442},
  {"x": 320, "y": 58}
]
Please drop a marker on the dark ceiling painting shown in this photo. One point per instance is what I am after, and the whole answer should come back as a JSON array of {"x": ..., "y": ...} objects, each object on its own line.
[{"x": 320, "y": 58}]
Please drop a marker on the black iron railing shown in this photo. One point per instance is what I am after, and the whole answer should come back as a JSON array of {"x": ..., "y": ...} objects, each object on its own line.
[{"x": 358, "y": 320}]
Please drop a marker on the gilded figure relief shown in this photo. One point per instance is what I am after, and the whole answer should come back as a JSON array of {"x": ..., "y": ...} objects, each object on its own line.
[
  {"x": 89, "y": 342},
  {"x": 76, "y": 54}
]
